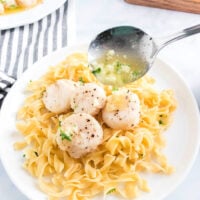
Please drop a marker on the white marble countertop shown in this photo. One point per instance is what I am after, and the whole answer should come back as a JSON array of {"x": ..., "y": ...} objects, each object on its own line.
[{"x": 94, "y": 16}]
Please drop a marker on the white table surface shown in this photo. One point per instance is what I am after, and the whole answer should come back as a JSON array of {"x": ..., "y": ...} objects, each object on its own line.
[
  {"x": 93, "y": 17},
  {"x": 184, "y": 55}
]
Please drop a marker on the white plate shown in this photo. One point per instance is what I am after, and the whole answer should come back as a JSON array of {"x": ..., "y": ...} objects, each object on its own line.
[
  {"x": 30, "y": 15},
  {"x": 182, "y": 138}
]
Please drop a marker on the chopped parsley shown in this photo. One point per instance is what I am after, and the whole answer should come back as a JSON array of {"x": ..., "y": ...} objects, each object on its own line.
[
  {"x": 160, "y": 122},
  {"x": 13, "y": 7},
  {"x": 115, "y": 89},
  {"x": 135, "y": 74},
  {"x": 96, "y": 71},
  {"x": 118, "y": 66},
  {"x": 36, "y": 153},
  {"x": 81, "y": 80},
  {"x": 64, "y": 136},
  {"x": 111, "y": 191},
  {"x": 24, "y": 155}
]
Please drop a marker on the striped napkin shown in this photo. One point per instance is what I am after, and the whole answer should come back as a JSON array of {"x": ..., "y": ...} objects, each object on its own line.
[{"x": 22, "y": 46}]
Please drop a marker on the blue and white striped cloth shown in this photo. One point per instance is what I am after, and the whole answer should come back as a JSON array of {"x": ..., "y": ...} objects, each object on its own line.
[{"x": 22, "y": 46}]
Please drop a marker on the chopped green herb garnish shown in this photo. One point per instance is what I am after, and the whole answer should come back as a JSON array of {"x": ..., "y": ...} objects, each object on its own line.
[
  {"x": 36, "y": 153},
  {"x": 24, "y": 155},
  {"x": 160, "y": 122},
  {"x": 64, "y": 136},
  {"x": 96, "y": 71},
  {"x": 135, "y": 74},
  {"x": 111, "y": 191},
  {"x": 81, "y": 80},
  {"x": 13, "y": 7},
  {"x": 118, "y": 66},
  {"x": 115, "y": 89}
]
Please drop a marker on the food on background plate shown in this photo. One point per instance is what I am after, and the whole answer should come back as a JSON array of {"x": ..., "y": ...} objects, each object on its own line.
[
  {"x": 10, "y": 6},
  {"x": 27, "y": 3},
  {"x": 84, "y": 150}
]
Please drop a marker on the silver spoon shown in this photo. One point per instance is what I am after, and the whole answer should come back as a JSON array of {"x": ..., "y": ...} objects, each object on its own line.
[{"x": 123, "y": 54}]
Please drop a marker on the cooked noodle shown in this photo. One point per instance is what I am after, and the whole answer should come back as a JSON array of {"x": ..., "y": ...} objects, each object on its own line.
[{"x": 114, "y": 167}]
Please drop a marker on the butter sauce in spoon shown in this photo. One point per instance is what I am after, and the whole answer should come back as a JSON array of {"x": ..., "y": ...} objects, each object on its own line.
[{"x": 123, "y": 54}]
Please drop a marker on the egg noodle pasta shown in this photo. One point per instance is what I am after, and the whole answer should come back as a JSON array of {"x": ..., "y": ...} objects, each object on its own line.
[{"x": 114, "y": 167}]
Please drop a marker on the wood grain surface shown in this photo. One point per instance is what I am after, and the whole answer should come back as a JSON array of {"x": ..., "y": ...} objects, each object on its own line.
[{"x": 192, "y": 6}]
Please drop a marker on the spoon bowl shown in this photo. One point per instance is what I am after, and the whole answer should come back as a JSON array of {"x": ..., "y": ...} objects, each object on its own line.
[{"x": 129, "y": 49}]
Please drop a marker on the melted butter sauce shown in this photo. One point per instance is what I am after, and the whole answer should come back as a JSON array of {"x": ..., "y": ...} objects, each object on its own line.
[
  {"x": 9, "y": 11},
  {"x": 117, "y": 70}
]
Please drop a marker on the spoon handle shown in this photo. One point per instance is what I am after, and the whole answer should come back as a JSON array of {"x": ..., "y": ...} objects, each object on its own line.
[{"x": 177, "y": 36}]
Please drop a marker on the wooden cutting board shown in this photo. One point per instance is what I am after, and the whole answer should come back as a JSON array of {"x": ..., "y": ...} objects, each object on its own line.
[{"x": 192, "y": 6}]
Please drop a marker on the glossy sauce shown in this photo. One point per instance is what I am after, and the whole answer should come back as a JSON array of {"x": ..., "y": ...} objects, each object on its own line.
[{"x": 117, "y": 70}]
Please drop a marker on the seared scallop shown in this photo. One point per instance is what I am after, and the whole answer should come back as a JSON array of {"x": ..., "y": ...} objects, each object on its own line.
[
  {"x": 89, "y": 98},
  {"x": 57, "y": 96},
  {"x": 27, "y": 3},
  {"x": 122, "y": 110},
  {"x": 79, "y": 134}
]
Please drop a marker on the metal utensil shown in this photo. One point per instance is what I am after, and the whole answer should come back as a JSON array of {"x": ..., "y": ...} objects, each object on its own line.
[{"x": 130, "y": 42}]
